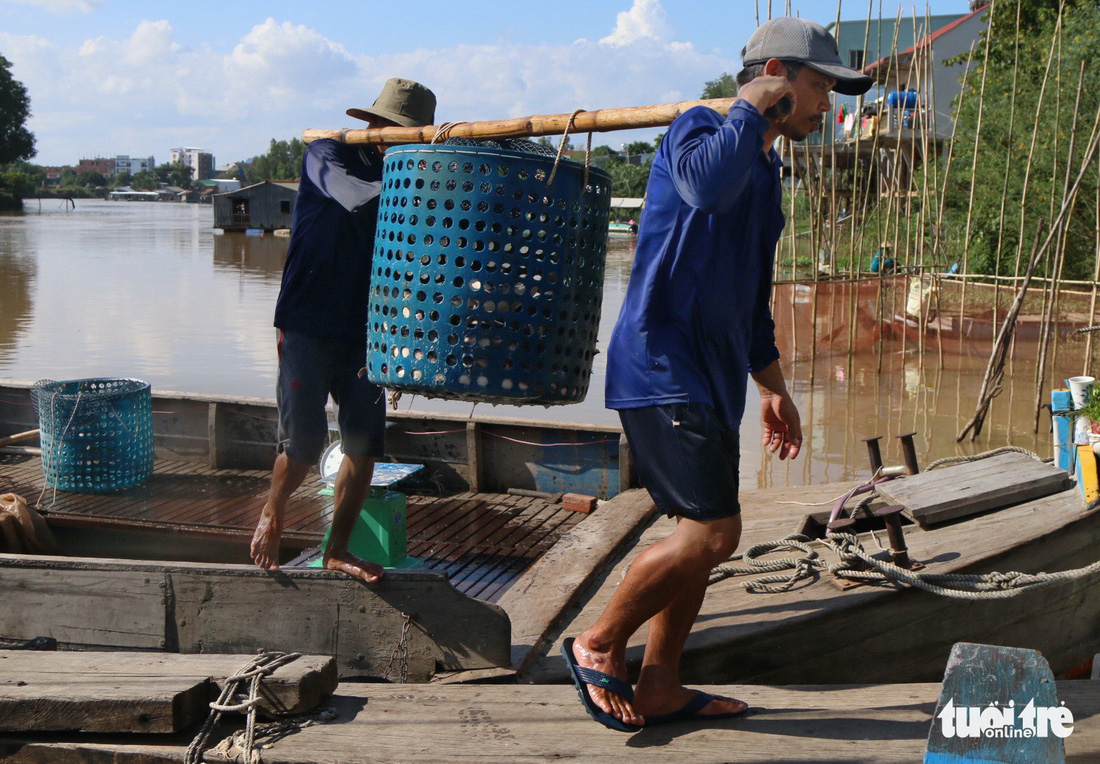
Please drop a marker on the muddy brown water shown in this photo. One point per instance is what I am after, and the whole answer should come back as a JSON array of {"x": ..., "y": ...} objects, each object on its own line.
[{"x": 147, "y": 290}]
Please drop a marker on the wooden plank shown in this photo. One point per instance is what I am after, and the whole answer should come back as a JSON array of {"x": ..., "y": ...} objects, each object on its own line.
[
  {"x": 100, "y": 608},
  {"x": 35, "y": 701},
  {"x": 546, "y": 591},
  {"x": 965, "y": 489},
  {"x": 141, "y": 692},
  {"x": 979, "y": 677}
]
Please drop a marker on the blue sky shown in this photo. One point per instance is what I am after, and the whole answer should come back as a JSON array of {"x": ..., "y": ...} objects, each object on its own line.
[{"x": 110, "y": 77}]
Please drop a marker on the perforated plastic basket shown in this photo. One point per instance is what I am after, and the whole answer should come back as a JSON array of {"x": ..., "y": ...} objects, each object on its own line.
[
  {"x": 487, "y": 280},
  {"x": 96, "y": 434}
]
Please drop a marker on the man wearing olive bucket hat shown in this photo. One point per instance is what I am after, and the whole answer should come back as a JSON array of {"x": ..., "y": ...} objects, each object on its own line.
[
  {"x": 694, "y": 325},
  {"x": 321, "y": 315}
]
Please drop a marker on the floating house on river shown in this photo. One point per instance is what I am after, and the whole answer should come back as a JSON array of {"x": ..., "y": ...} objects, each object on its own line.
[{"x": 266, "y": 206}]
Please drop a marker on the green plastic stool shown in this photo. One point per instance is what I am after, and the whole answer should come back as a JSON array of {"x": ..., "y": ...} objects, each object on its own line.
[{"x": 380, "y": 533}]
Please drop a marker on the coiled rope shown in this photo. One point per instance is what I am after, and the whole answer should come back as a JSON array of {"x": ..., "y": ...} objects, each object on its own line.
[{"x": 233, "y": 698}]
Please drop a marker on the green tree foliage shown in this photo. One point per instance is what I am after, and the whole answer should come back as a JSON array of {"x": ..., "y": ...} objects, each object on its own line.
[
  {"x": 283, "y": 161},
  {"x": 145, "y": 180},
  {"x": 124, "y": 178},
  {"x": 90, "y": 178},
  {"x": 722, "y": 87},
  {"x": 993, "y": 243},
  {"x": 16, "y": 142},
  {"x": 639, "y": 148},
  {"x": 18, "y": 185},
  {"x": 174, "y": 174}
]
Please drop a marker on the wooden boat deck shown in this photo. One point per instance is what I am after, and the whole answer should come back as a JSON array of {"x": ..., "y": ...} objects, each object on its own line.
[
  {"x": 524, "y": 723},
  {"x": 766, "y": 638},
  {"x": 483, "y": 542}
]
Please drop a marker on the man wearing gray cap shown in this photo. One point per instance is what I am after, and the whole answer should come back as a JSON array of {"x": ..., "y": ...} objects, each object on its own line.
[
  {"x": 694, "y": 325},
  {"x": 321, "y": 315}
]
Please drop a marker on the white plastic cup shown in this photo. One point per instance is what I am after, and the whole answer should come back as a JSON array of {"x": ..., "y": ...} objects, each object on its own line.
[{"x": 1079, "y": 389}]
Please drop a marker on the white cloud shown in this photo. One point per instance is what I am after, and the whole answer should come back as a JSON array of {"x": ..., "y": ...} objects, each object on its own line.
[
  {"x": 145, "y": 93},
  {"x": 646, "y": 19}
]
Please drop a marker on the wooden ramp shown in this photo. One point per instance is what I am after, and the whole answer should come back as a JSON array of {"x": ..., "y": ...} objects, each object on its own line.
[{"x": 522, "y": 723}]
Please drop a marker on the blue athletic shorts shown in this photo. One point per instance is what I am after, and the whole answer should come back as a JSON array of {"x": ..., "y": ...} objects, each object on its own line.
[
  {"x": 686, "y": 458},
  {"x": 312, "y": 369}
]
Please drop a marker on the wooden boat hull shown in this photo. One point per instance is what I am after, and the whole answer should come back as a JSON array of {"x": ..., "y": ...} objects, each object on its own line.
[
  {"x": 413, "y": 626},
  {"x": 484, "y": 453},
  {"x": 197, "y": 608}
]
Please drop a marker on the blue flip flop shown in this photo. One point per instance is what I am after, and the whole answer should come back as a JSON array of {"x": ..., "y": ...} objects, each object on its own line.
[
  {"x": 583, "y": 676},
  {"x": 689, "y": 712}
]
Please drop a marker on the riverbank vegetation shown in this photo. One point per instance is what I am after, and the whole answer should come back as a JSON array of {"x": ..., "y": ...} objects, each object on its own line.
[{"x": 16, "y": 142}]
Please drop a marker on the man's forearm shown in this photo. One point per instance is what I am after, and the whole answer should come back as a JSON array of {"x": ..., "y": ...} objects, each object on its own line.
[{"x": 770, "y": 380}]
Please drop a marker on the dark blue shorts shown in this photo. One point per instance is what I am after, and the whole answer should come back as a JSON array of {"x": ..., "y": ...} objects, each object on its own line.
[
  {"x": 311, "y": 369},
  {"x": 686, "y": 458}
]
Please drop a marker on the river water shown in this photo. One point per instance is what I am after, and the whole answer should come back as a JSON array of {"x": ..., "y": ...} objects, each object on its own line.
[{"x": 147, "y": 290}]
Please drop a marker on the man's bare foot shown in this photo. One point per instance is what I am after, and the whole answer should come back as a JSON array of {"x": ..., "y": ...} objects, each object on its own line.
[
  {"x": 609, "y": 663},
  {"x": 265, "y": 541},
  {"x": 346, "y": 562}
]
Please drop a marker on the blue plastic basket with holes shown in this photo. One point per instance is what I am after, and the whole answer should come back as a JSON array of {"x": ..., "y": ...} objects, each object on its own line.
[
  {"x": 487, "y": 278},
  {"x": 96, "y": 434}
]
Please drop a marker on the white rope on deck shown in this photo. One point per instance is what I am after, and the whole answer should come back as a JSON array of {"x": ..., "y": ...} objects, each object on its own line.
[{"x": 234, "y": 699}]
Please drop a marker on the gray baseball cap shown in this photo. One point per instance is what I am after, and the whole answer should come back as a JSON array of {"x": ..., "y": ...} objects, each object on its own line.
[{"x": 795, "y": 39}]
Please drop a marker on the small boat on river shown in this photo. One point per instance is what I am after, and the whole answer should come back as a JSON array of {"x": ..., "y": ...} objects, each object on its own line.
[{"x": 507, "y": 570}]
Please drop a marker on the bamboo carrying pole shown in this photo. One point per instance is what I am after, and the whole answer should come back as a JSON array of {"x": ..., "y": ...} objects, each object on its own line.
[
  {"x": 18, "y": 437},
  {"x": 598, "y": 121}
]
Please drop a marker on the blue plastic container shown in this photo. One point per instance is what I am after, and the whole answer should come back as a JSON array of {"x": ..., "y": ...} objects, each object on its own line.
[
  {"x": 906, "y": 99},
  {"x": 96, "y": 434},
  {"x": 487, "y": 279}
]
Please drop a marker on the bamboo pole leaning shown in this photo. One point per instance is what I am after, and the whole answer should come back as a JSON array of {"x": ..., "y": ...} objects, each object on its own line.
[
  {"x": 974, "y": 164},
  {"x": 1057, "y": 263},
  {"x": 598, "y": 121},
  {"x": 991, "y": 383},
  {"x": 1008, "y": 164}
]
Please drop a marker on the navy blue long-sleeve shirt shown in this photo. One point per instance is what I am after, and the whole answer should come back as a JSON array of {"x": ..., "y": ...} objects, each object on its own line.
[
  {"x": 326, "y": 280},
  {"x": 696, "y": 319}
]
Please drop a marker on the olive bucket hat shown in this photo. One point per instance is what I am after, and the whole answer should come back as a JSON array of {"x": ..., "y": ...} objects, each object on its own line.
[
  {"x": 405, "y": 102},
  {"x": 795, "y": 39}
]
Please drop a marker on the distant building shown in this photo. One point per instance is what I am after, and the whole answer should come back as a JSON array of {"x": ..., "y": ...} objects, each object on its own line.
[
  {"x": 898, "y": 73},
  {"x": 860, "y": 43},
  {"x": 201, "y": 162},
  {"x": 133, "y": 165},
  {"x": 53, "y": 174},
  {"x": 127, "y": 194},
  {"x": 267, "y": 206},
  {"x": 105, "y": 167}
]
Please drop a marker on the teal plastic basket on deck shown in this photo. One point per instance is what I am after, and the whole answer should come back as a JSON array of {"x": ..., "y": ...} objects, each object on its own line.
[
  {"x": 96, "y": 434},
  {"x": 487, "y": 277}
]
